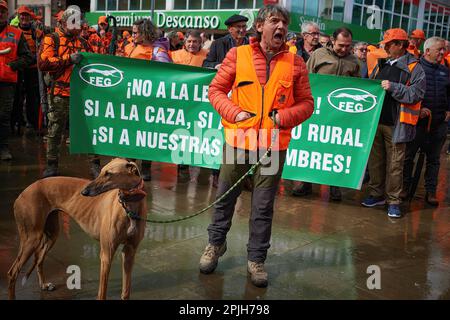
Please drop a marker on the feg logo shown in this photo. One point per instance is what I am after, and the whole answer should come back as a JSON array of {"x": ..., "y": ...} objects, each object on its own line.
[
  {"x": 101, "y": 75},
  {"x": 352, "y": 100}
]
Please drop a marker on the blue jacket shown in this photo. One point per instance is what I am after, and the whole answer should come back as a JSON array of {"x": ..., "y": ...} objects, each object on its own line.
[
  {"x": 437, "y": 93},
  {"x": 219, "y": 49}
]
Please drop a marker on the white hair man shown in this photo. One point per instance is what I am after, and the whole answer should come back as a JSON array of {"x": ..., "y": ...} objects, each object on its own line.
[
  {"x": 360, "y": 52},
  {"x": 435, "y": 108},
  {"x": 310, "y": 41}
]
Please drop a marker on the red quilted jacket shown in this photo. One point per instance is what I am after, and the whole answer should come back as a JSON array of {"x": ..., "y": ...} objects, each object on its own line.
[{"x": 224, "y": 79}]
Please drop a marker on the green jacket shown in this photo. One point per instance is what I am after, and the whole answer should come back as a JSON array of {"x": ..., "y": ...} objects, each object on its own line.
[{"x": 325, "y": 61}]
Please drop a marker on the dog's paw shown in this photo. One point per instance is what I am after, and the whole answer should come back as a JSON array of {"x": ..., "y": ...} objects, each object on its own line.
[{"x": 48, "y": 287}]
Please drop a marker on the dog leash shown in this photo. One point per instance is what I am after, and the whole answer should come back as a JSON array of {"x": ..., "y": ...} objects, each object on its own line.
[{"x": 135, "y": 216}]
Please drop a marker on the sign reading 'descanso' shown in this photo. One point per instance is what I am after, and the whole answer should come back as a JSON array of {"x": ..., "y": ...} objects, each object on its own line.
[{"x": 158, "y": 111}]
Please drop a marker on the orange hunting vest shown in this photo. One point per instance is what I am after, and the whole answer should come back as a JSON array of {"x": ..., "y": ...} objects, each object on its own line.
[
  {"x": 9, "y": 41},
  {"x": 409, "y": 113},
  {"x": 260, "y": 101},
  {"x": 414, "y": 51}
]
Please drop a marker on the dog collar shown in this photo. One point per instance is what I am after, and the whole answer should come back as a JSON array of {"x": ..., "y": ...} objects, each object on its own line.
[{"x": 134, "y": 194}]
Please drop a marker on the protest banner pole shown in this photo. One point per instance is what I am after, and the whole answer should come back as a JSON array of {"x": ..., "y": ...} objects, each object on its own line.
[{"x": 153, "y": 11}]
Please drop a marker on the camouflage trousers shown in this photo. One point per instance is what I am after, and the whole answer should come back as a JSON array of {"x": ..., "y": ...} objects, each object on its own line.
[{"x": 58, "y": 115}]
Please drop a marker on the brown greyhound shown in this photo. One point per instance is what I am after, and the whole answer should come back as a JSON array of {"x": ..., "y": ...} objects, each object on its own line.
[{"x": 107, "y": 218}]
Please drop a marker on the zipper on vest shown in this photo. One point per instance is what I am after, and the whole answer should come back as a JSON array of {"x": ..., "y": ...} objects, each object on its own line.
[{"x": 262, "y": 87}]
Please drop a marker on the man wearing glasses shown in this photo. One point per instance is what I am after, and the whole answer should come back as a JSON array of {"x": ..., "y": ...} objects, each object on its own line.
[
  {"x": 360, "y": 52},
  {"x": 310, "y": 41}
]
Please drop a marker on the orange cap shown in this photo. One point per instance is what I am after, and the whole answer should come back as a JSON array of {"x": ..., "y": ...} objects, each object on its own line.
[
  {"x": 102, "y": 19},
  {"x": 26, "y": 10},
  {"x": 394, "y": 34},
  {"x": 180, "y": 35},
  {"x": 419, "y": 34},
  {"x": 126, "y": 34},
  {"x": 3, "y": 4}
]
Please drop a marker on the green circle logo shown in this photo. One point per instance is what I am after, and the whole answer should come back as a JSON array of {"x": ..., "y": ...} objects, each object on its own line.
[
  {"x": 101, "y": 75},
  {"x": 352, "y": 100}
]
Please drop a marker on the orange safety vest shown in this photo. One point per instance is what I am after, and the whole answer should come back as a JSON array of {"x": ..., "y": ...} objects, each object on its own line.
[
  {"x": 414, "y": 51},
  {"x": 446, "y": 61},
  {"x": 260, "y": 101},
  {"x": 409, "y": 113},
  {"x": 139, "y": 52},
  {"x": 292, "y": 48},
  {"x": 183, "y": 56},
  {"x": 373, "y": 55},
  {"x": 9, "y": 42}
]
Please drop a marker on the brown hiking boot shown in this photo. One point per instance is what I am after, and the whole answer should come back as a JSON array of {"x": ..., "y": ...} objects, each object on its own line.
[
  {"x": 431, "y": 199},
  {"x": 258, "y": 274},
  {"x": 210, "y": 258}
]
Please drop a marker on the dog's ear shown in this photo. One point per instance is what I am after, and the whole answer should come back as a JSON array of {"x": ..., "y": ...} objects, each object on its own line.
[{"x": 132, "y": 168}]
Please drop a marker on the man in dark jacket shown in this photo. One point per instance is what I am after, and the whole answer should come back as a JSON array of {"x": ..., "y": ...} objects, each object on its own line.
[
  {"x": 15, "y": 55},
  {"x": 310, "y": 41},
  {"x": 237, "y": 27},
  {"x": 403, "y": 79},
  {"x": 435, "y": 107},
  {"x": 28, "y": 80}
]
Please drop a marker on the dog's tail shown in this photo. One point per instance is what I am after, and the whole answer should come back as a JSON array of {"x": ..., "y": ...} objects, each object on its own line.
[{"x": 48, "y": 239}]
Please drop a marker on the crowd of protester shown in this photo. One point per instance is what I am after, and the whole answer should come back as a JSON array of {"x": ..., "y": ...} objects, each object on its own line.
[{"x": 414, "y": 71}]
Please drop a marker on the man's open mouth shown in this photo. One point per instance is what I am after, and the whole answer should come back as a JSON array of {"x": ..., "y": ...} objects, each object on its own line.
[{"x": 278, "y": 36}]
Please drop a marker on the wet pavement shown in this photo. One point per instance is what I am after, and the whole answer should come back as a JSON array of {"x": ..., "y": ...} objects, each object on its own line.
[{"x": 320, "y": 249}]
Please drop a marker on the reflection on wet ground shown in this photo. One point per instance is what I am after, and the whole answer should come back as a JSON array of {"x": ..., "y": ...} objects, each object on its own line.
[{"x": 320, "y": 250}]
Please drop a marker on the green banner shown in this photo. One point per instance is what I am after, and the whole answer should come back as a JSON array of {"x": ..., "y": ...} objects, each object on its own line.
[
  {"x": 328, "y": 26},
  {"x": 157, "y": 111},
  {"x": 332, "y": 147},
  {"x": 177, "y": 19}
]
